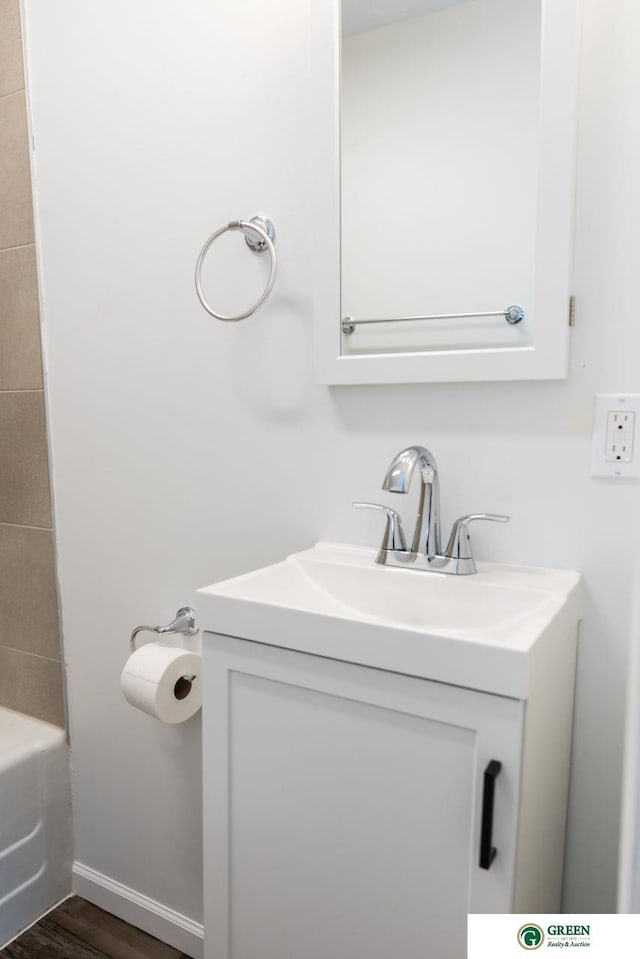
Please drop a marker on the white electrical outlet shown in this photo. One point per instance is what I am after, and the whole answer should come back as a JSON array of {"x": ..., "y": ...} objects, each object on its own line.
[
  {"x": 616, "y": 441},
  {"x": 618, "y": 446}
]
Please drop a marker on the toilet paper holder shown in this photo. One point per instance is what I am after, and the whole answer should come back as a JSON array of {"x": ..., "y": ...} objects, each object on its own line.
[{"x": 184, "y": 622}]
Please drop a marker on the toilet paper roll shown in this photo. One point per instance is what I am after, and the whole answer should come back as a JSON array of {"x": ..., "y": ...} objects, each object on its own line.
[{"x": 164, "y": 682}]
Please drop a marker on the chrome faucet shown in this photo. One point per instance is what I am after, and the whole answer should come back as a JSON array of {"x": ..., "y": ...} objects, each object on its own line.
[
  {"x": 426, "y": 536},
  {"x": 426, "y": 551}
]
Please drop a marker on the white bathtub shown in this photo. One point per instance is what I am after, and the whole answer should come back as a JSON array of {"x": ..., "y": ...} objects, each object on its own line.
[{"x": 35, "y": 821}]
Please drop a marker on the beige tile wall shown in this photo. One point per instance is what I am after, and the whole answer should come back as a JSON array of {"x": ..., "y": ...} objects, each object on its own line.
[{"x": 30, "y": 664}]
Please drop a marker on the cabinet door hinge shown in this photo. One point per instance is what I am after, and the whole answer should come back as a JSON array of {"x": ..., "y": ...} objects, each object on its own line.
[{"x": 572, "y": 311}]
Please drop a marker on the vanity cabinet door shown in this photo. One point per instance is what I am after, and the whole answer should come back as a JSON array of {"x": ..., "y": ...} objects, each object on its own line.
[{"x": 343, "y": 807}]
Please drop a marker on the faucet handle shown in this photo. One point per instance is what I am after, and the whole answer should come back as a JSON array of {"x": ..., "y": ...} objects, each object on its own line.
[
  {"x": 459, "y": 545},
  {"x": 393, "y": 534}
]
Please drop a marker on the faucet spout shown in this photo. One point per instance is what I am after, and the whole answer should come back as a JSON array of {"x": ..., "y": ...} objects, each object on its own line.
[{"x": 426, "y": 537}]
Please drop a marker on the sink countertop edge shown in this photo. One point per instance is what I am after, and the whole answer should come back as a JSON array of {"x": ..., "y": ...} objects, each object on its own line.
[
  {"x": 496, "y": 669},
  {"x": 505, "y": 670}
]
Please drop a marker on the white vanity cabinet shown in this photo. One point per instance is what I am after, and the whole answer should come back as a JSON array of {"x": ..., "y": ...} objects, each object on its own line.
[
  {"x": 367, "y": 732},
  {"x": 344, "y": 805}
]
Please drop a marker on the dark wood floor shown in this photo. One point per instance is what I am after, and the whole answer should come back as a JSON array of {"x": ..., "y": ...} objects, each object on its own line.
[{"x": 79, "y": 930}]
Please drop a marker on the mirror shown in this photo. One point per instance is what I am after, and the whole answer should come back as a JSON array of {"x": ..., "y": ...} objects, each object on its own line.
[{"x": 447, "y": 140}]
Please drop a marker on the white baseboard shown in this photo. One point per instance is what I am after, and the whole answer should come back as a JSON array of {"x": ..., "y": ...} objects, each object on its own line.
[{"x": 165, "y": 924}]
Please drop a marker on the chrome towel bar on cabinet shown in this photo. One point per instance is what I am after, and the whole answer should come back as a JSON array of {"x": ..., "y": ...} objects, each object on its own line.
[
  {"x": 258, "y": 234},
  {"x": 513, "y": 315}
]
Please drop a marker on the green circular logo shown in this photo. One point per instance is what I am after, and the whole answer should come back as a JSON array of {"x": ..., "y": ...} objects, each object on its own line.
[{"x": 530, "y": 936}]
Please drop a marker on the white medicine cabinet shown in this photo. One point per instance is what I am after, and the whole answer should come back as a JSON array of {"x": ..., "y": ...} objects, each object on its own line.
[{"x": 443, "y": 179}]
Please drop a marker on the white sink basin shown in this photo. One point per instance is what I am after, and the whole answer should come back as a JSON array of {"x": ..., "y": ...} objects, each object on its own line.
[{"x": 492, "y": 630}]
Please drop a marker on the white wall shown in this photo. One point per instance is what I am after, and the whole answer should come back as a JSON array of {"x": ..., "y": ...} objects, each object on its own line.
[
  {"x": 629, "y": 866},
  {"x": 439, "y": 174},
  {"x": 185, "y": 450}
]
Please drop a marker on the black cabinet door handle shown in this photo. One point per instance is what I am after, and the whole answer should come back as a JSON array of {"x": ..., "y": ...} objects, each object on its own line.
[{"x": 487, "y": 851}]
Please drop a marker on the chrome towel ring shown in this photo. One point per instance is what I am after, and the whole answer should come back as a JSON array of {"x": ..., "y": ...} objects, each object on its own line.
[{"x": 258, "y": 234}]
